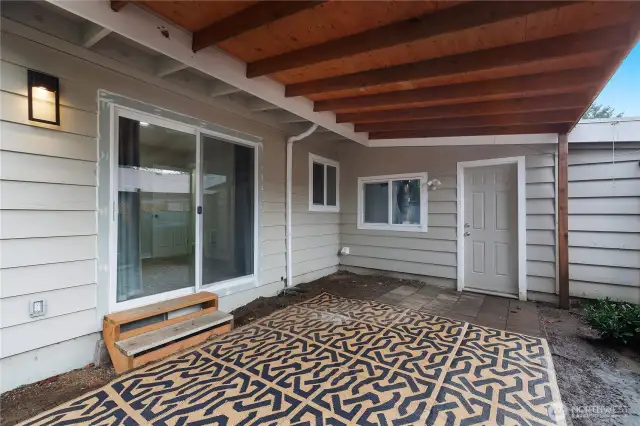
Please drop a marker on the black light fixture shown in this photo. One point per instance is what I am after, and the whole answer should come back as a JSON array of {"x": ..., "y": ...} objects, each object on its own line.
[{"x": 44, "y": 97}]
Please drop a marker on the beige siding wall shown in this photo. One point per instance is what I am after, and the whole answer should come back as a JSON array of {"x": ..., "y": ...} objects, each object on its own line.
[
  {"x": 48, "y": 203},
  {"x": 604, "y": 221},
  {"x": 433, "y": 254}
]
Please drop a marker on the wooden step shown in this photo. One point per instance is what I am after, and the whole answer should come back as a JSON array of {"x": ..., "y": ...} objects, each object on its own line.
[
  {"x": 161, "y": 336},
  {"x": 205, "y": 298}
]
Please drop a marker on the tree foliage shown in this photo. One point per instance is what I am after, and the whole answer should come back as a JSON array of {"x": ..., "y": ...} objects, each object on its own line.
[{"x": 600, "y": 111}]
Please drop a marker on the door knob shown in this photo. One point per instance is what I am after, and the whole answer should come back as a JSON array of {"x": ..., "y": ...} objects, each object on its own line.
[
  {"x": 466, "y": 234},
  {"x": 466, "y": 225}
]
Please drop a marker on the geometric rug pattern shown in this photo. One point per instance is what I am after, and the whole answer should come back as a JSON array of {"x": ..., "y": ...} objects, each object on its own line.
[{"x": 336, "y": 361}]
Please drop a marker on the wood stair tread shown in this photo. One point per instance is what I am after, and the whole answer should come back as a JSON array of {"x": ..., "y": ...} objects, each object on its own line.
[
  {"x": 152, "y": 339},
  {"x": 159, "y": 308}
]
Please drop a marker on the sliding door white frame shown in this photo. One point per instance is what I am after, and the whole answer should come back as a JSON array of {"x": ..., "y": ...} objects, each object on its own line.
[{"x": 117, "y": 111}]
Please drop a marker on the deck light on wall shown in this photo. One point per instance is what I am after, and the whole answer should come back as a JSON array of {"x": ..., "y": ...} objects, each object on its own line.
[{"x": 44, "y": 98}]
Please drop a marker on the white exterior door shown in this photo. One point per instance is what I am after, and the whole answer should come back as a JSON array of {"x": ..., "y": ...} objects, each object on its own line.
[{"x": 491, "y": 229}]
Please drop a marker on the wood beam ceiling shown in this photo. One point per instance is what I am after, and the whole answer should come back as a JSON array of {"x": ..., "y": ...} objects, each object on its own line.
[
  {"x": 569, "y": 80},
  {"x": 472, "y": 131},
  {"x": 521, "y": 118},
  {"x": 248, "y": 19},
  {"x": 539, "y": 103},
  {"x": 456, "y": 18},
  {"x": 506, "y": 56}
]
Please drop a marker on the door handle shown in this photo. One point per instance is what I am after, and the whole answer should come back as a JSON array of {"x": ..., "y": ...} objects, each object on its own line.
[
  {"x": 466, "y": 234},
  {"x": 466, "y": 225}
]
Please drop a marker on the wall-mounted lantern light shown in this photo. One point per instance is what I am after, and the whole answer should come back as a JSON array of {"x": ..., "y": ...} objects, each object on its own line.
[{"x": 44, "y": 98}]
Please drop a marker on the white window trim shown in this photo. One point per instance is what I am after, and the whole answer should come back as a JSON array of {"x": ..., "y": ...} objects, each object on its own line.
[
  {"x": 522, "y": 219},
  {"x": 424, "y": 214},
  {"x": 325, "y": 162}
]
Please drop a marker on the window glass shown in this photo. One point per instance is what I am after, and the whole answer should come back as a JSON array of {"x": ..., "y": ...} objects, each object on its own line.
[
  {"x": 318, "y": 184},
  {"x": 156, "y": 222},
  {"x": 376, "y": 202},
  {"x": 228, "y": 210},
  {"x": 406, "y": 202},
  {"x": 332, "y": 177}
]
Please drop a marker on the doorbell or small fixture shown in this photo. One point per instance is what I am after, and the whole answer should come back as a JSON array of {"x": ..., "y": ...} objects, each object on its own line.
[
  {"x": 44, "y": 97},
  {"x": 37, "y": 308}
]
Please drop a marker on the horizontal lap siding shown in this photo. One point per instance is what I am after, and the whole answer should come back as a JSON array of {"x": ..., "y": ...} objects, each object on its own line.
[
  {"x": 433, "y": 253},
  {"x": 604, "y": 221},
  {"x": 48, "y": 216},
  {"x": 49, "y": 201}
]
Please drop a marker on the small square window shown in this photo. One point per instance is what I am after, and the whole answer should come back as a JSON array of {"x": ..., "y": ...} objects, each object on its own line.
[
  {"x": 324, "y": 184},
  {"x": 396, "y": 202}
]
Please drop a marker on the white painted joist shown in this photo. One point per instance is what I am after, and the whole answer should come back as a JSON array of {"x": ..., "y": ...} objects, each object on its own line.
[
  {"x": 41, "y": 278},
  {"x": 144, "y": 27},
  {"x": 525, "y": 139},
  {"x": 167, "y": 66},
  {"x": 93, "y": 34}
]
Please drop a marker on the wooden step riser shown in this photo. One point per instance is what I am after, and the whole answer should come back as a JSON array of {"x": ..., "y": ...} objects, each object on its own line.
[{"x": 165, "y": 323}]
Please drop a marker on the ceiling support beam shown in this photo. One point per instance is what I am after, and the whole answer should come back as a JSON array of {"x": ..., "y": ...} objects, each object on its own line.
[
  {"x": 248, "y": 19},
  {"x": 563, "y": 221},
  {"x": 500, "y": 57},
  {"x": 93, "y": 34},
  {"x": 566, "y": 116},
  {"x": 538, "y": 103},
  {"x": 456, "y": 18},
  {"x": 154, "y": 32},
  {"x": 472, "y": 131},
  {"x": 522, "y": 85}
]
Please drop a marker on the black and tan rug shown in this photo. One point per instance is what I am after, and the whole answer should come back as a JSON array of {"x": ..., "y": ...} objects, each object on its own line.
[{"x": 336, "y": 361}]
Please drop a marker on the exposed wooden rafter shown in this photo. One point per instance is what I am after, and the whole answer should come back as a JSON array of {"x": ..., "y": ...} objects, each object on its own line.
[
  {"x": 576, "y": 79},
  {"x": 506, "y": 56},
  {"x": 538, "y": 103},
  {"x": 472, "y": 131},
  {"x": 248, "y": 19},
  {"x": 520, "y": 118},
  {"x": 457, "y": 18}
]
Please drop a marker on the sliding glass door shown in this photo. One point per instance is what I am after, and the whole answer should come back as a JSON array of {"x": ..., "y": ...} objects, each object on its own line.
[{"x": 184, "y": 210}]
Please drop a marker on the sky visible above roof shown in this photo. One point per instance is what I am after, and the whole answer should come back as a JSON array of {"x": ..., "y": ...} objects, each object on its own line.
[{"x": 623, "y": 90}]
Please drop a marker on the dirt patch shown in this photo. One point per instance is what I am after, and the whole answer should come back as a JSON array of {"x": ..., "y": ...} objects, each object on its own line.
[
  {"x": 599, "y": 383},
  {"x": 344, "y": 284},
  {"x": 27, "y": 401}
]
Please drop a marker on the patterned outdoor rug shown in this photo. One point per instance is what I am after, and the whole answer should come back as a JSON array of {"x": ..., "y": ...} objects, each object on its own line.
[{"x": 336, "y": 361}]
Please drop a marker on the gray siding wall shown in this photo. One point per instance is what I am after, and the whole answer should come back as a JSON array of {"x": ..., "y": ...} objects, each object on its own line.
[
  {"x": 48, "y": 203},
  {"x": 433, "y": 254},
  {"x": 604, "y": 220}
]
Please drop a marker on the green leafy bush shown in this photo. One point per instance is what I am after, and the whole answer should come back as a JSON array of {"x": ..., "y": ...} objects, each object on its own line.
[{"x": 616, "y": 321}]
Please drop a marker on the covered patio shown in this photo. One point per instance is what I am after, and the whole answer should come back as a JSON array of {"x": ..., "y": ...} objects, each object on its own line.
[{"x": 338, "y": 361}]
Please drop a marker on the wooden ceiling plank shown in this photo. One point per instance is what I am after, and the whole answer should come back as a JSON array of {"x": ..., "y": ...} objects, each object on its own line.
[
  {"x": 116, "y": 5},
  {"x": 472, "y": 131},
  {"x": 529, "y": 84},
  {"x": 505, "y": 56},
  {"x": 456, "y": 18},
  {"x": 545, "y": 117},
  {"x": 537, "y": 103},
  {"x": 248, "y": 19}
]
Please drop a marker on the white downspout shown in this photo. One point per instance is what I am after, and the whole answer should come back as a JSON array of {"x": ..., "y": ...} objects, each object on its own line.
[{"x": 289, "y": 196}]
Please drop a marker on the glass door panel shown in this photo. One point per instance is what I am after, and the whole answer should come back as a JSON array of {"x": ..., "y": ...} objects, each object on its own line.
[
  {"x": 156, "y": 210},
  {"x": 228, "y": 210}
]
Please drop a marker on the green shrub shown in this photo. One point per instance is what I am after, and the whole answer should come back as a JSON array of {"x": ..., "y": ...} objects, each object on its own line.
[{"x": 616, "y": 321}]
